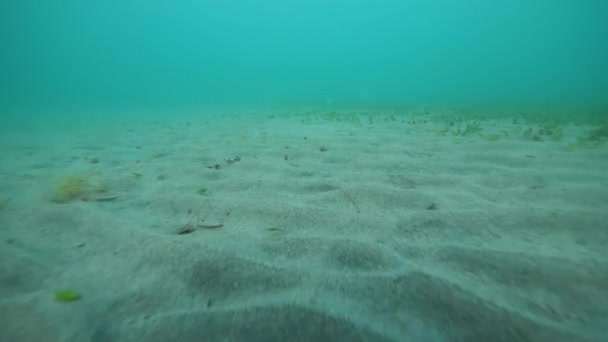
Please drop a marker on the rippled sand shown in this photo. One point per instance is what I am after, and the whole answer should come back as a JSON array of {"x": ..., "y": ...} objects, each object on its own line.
[{"x": 332, "y": 228}]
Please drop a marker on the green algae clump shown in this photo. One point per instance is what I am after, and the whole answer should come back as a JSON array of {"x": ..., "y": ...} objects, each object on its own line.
[
  {"x": 74, "y": 187},
  {"x": 66, "y": 296}
]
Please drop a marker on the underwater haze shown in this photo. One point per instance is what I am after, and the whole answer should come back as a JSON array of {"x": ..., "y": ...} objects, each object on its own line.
[
  {"x": 315, "y": 170},
  {"x": 169, "y": 54}
]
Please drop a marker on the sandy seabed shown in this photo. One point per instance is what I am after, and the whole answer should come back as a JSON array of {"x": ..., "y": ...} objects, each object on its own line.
[{"x": 308, "y": 227}]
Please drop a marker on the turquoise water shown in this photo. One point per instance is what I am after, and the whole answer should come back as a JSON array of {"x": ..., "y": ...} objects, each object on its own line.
[
  {"x": 160, "y": 54},
  {"x": 222, "y": 170}
]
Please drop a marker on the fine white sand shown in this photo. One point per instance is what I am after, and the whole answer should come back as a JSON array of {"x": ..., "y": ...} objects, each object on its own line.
[{"x": 399, "y": 230}]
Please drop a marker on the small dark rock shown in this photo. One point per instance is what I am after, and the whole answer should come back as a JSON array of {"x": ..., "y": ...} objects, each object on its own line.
[{"x": 186, "y": 230}]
